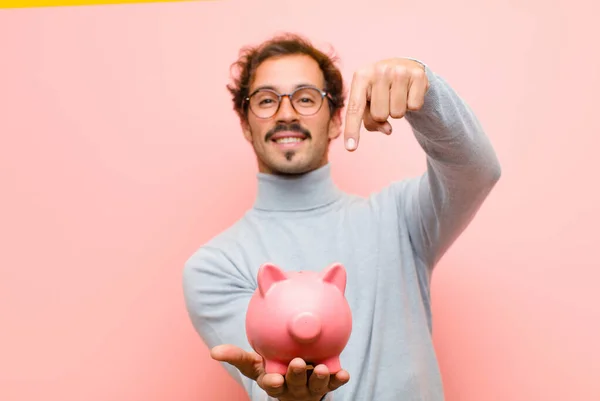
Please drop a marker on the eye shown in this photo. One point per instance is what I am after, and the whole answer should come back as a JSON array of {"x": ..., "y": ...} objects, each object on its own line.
[
  {"x": 307, "y": 96},
  {"x": 264, "y": 99}
]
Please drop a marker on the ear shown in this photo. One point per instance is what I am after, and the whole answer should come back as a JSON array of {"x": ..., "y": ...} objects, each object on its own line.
[
  {"x": 269, "y": 274},
  {"x": 335, "y": 125},
  {"x": 246, "y": 130},
  {"x": 335, "y": 274}
]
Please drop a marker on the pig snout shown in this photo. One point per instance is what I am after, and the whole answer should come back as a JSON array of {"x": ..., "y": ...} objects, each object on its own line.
[{"x": 305, "y": 327}]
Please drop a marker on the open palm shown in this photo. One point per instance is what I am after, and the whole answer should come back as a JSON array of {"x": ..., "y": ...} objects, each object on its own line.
[{"x": 299, "y": 384}]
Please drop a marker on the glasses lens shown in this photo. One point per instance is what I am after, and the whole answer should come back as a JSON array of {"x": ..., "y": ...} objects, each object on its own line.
[
  {"x": 264, "y": 103},
  {"x": 306, "y": 101}
]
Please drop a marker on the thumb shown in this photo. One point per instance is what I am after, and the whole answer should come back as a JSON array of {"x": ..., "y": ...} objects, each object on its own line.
[
  {"x": 248, "y": 363},
  {"x": 372, "y": 125}
]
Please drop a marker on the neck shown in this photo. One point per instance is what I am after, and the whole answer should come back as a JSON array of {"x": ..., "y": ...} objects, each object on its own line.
[{"x": 295, "y": 193}]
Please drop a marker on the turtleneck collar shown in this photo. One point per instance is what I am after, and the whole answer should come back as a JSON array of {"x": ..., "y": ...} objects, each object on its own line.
[{"x": 295, "y": 193}]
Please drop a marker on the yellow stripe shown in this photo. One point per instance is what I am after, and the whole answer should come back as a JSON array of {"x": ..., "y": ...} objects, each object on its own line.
[{"x": 62, "y": 3}]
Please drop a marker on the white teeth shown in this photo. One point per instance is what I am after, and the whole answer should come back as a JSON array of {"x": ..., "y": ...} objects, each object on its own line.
[{"x": 288, "y": 140}]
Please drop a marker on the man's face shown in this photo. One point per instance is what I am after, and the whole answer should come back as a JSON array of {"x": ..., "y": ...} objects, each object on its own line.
[{"x": 289, "y": 142}]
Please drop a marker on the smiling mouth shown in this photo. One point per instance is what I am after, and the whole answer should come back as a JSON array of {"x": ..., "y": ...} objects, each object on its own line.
[
  {"x": 288, "y": 140},
  {"x": 288, "y": 135}
]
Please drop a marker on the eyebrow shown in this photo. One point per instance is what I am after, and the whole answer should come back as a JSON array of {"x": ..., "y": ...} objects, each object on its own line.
[{"x": 301, "y": 85}]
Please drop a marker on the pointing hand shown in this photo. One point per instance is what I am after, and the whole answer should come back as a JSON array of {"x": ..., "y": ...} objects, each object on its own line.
[{"x": 385, "y": 89}]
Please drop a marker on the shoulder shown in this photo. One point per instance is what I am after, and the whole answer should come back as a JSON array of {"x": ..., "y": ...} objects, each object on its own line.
[{"x": 216, "y": 256}]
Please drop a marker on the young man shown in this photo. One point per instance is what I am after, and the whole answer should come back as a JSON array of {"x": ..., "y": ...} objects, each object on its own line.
[{"x": 289, "y": 98}]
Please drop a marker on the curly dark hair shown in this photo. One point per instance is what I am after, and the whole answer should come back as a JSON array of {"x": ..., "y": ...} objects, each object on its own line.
[{"x": 251, "y": 57}]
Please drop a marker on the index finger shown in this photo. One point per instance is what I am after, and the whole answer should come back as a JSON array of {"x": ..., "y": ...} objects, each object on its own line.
[
  {"x": 296, "y": 376},
  {"x": 357, "y": 103},
  {"x": 272, "y": 383}
]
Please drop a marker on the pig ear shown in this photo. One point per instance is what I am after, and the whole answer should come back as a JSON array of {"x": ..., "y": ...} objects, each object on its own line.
[
  {"x": 336, "y": 275},
  {"x": 269, "y": 274}
]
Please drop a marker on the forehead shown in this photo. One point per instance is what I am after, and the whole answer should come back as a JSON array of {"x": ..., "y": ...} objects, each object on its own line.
[{"x": 288, "y": 72}]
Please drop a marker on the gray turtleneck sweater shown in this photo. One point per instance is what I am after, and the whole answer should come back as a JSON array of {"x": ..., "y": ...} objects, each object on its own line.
[{"x": 389, "y": 243}]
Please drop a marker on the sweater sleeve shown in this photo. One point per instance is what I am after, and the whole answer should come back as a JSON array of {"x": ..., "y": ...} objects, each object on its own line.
[
  {"x": 462, "y": 169},
  {"x": 216, "y": 296}
]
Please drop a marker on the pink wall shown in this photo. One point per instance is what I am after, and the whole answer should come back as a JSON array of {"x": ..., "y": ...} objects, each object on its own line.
[{"x": 119, "y": 151}]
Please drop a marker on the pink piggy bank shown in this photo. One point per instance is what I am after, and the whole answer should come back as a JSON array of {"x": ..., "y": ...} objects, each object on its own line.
[{"x": 299, "y": 315}]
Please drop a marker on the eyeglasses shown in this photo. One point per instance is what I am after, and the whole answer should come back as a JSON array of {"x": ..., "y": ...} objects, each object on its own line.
[{"x": 306, "y": 100}]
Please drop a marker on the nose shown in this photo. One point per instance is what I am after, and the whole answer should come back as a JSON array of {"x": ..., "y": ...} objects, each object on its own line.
[
  {"x": 286, "y": 112},
  {"x": 305, "y": 327}
]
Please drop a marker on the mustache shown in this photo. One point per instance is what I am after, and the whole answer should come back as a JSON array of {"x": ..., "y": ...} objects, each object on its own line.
[{"x": 294, "y": 127}]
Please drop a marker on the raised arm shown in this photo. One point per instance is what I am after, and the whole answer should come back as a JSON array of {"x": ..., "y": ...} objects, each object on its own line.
[
  {"x": 462, "y": 166},
  {"x": 462, "y": 169}
]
